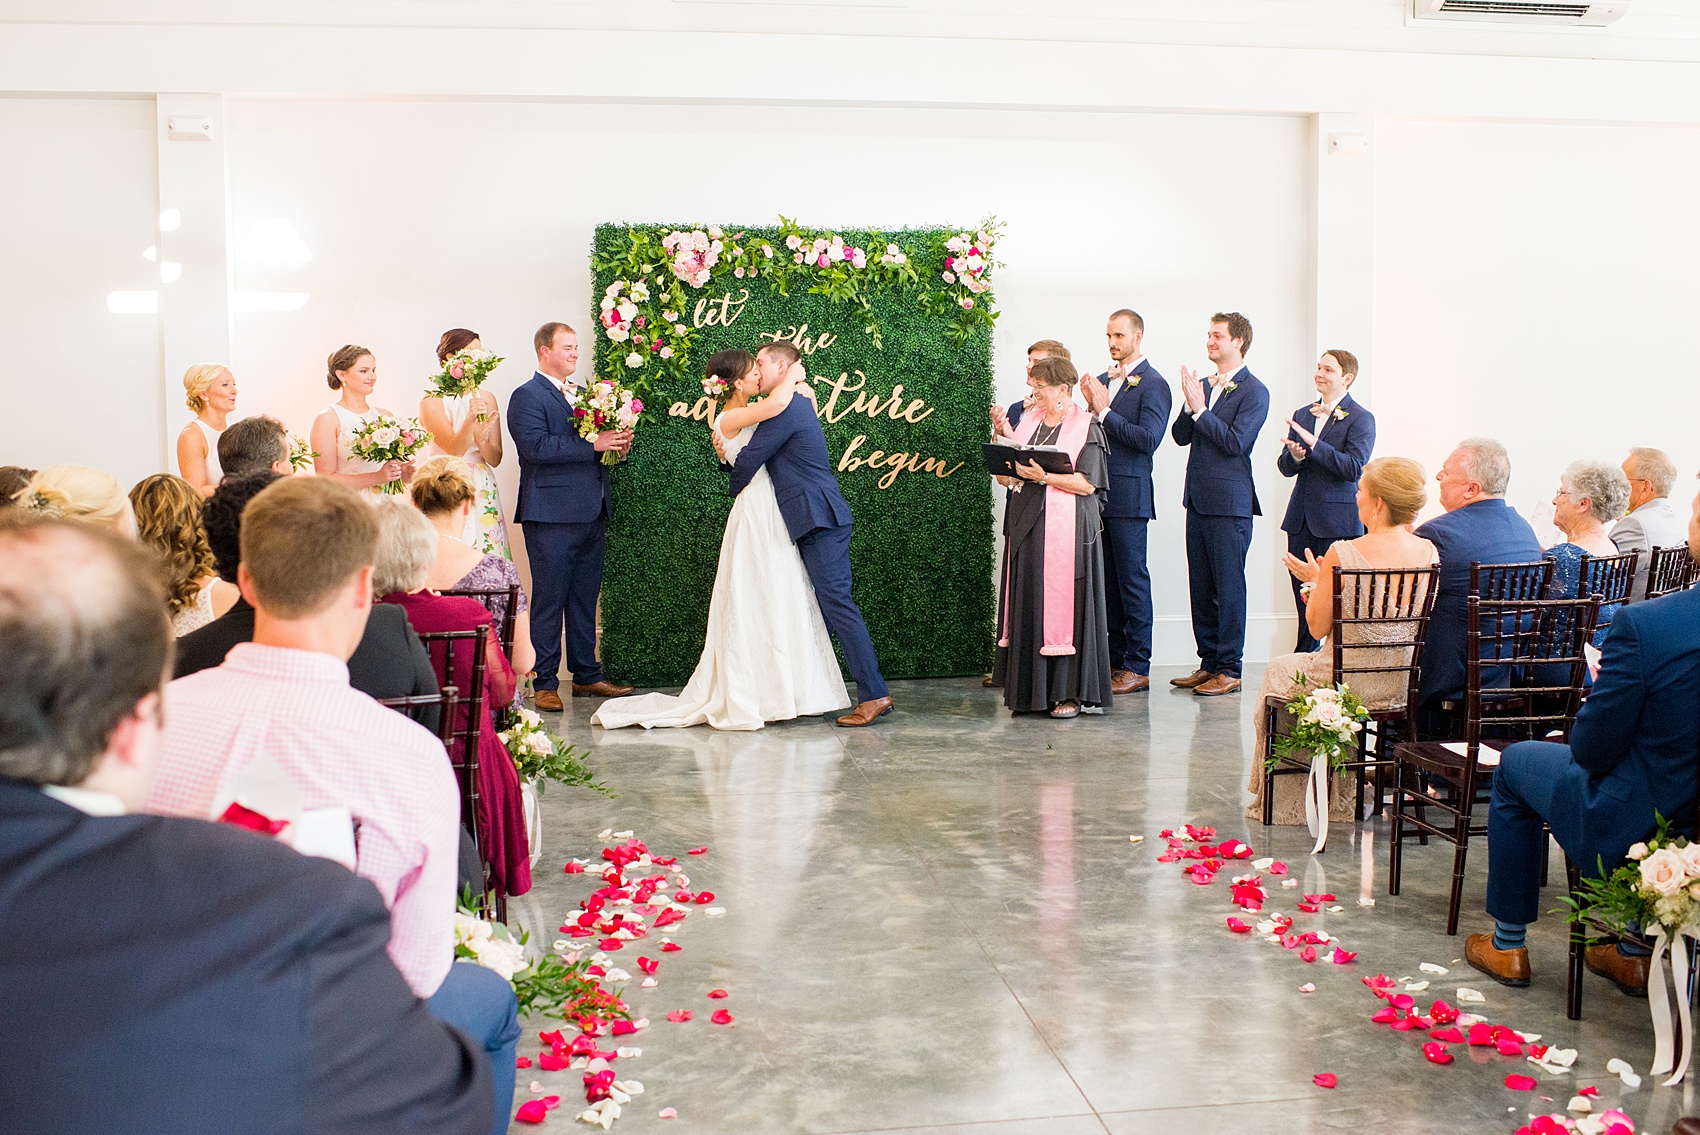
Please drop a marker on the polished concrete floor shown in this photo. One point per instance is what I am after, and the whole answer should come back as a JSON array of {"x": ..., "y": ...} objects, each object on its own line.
[{"x": 939, "y": 924}]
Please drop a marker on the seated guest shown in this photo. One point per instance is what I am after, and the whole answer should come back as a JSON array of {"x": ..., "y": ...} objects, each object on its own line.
[
  {"x": 1651, "y": 521},
  {"x": 1591, "y": 495},
  {"x": 308, "y": 546},
  {"x": 1053, "y": 651},
  {"x": 1327, "y": 444},
  {"x": 407, "y": 546},
  {"x": 1630, "y": 759},
  {"x": 168, "y": 519},
  {"x": 1390, "y": 494},
  {"x": 1004, "y": 421},
  {"x": 1478, "y": 526},
  {"x": 255, "y": 445},
  {"x": 13, "y": 479},
  {"x": 76, "y": 492},
  {"x": 445, "y": 491},
  {"x": 240, "y": 987},
  {"x": 390, "y": 661}
]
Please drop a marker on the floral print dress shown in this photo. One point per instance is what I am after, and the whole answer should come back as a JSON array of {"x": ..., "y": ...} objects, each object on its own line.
[{"x": 486, "y": 530}]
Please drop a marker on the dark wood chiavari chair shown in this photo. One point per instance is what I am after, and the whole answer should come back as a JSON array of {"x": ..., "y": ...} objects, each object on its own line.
[
  {"x": 463, "y": 733},
  {"x": 1670, "y": 570}
]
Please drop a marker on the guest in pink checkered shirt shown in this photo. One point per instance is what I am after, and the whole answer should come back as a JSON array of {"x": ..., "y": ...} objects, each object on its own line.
[{"x": 307, "y": 552}]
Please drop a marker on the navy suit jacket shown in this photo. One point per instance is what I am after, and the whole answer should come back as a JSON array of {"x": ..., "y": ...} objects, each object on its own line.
[
  {"x": 561, "y": 476},
  {"x": 1489, "y": 532},
  {"x": 1637, "y": 737},
  {"x": 1016, "y": 409},
  {"x": 1325, "y": 497},
  {"x": 220, "y": 981},
  {"x": 1134, "y": 428},
  {"x": 793, "y": 447},
  {"x": 1218, "y": 472}
]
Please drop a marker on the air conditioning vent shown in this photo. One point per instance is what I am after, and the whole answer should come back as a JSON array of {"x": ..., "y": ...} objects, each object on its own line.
[{"x": 1576, "y": 13}]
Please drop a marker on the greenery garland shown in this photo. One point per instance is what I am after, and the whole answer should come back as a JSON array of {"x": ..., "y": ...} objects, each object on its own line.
[{"x": 895, "y": 329}]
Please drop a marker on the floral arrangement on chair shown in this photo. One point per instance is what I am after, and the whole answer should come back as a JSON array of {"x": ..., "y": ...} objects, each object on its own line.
[
  {"x": 540, "y": 757},
  {"x": 546, "y": 985},
  {"x": 1327, "y": 721}
]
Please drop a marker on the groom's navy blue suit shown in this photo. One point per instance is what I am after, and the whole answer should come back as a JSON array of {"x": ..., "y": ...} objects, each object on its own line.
[
  {"x": 1134, "y": 426},
  {"x": 564, "y": 504},
  {"x": 793, "y": 448}
]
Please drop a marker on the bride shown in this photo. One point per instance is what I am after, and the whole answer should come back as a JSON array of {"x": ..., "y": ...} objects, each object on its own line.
[{"x": 767, "y": 656}]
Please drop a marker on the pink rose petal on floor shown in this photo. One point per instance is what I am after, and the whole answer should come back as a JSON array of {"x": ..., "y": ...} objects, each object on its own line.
[
  {"x": 1518, "y": 1082},
  {"x": 704, "y": 897},
  {"x": 717, "y": 994},
  {"x": 550, "y": 1062},
  {"x": 573, "y": 869},
  {"x": 1277, "y": 868},
  {"x": 1307, "y": 987},
  {"x": 624, "y": 1028},
  {"x": 1481, "y": 1034},
  {"x": 697, "y": 851},
  {"x": 550, "y": 1102},
  {"x": 1343, "y": 957},
  {"x": 1319, "y": 898},
  {"x": 1325, "y": 1079},
  {"x": 1238, "y": 927},
  {"x": 669, "y": 1113},
  {"x": 680, "y": 1016},
  {"x": 1435, "y": 1053},
  {"x": 531, "y": 1111},
  {"x": 1449, "y": 1036},
  {"x": 648, "y": 965},
  {"x": 1402, "y": 1001},
  {"x": 1385, "y": 1015},
  {"x": 1443, "y": 1013},
  {"x": 721, "y": 1017},
  {"x": 1308, "y": 954},
  {"x": 670, "y": 947},
  {"x": 1509, "y": 1048},
  {"x": 523, "y": 1062},
  {"x": 1590, "y": 1091},
  {"x": 611, "y": 944}
]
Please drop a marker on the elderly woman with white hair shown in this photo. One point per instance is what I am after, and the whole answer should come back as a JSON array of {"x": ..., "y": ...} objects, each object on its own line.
[
  {"x": 1591, "y": 496},
  {"x": 407, "y": 547}
]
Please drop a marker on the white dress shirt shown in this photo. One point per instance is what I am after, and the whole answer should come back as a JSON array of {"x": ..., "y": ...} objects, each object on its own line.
[
  {"x": 1218, "y": 381},
  {"x": 86, "y": 800}
]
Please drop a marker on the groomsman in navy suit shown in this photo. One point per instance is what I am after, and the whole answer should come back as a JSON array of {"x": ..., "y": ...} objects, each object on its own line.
[
  {"x": 564, "y": 505},
  {"x": 1132, "y": 402},
  {"x": 1328, "y": 444},
  {"x": 1220, "y": 422}
]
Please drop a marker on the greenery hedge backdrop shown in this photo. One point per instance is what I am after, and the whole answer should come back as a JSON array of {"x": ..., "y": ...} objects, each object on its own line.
[{"x": 872, "y": 312}]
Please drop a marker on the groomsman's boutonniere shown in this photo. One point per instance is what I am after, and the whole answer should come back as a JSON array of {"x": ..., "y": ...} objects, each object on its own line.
[
  {"x": 1230, "y": 386},
  {"x": 1339, "y": 414}
]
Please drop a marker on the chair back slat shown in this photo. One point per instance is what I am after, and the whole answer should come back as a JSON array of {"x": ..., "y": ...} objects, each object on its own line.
[
  {"x": 1496, "y": 582},
  {"x": 1609, "y": 579},
  {"x": 462, "y": 742},
  {"x": 502, "y": 602},
  {"x": 1535, "y": 645},
  {"x": 444, "y": 700},
  {"x": 1399, "y": 603},
  {"x": 1670, "y": 570}
]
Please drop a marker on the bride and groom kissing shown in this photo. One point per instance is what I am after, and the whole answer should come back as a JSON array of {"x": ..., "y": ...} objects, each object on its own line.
[{"x": 784, "y": 574}]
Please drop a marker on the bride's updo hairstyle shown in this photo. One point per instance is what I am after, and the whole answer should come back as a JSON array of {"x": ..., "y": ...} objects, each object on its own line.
[
  {"x": 1052, "y": 371},
  {"x": 343, "y": 358},
  {"x": 1398, "y": 481},
  {"x": 442, "y": 485},
  {"x": 454, "y": 339},
  {"x": 723, "y": 369}
]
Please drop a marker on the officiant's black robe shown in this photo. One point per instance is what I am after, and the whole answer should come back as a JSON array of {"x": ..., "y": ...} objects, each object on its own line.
[{"x": 1033, "y": 682}]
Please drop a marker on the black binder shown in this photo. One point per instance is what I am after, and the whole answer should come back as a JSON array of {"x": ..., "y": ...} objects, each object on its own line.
[{"x": 1001, "y": 459}]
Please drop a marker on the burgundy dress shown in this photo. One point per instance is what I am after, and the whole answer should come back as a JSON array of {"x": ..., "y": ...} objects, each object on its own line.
[{"x": 501, "y": 812}]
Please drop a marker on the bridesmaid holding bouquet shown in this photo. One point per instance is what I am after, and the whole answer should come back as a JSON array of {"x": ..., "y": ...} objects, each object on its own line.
[
  {"x": 467, "y": 423},
  {"x": 354, "y": 372}
]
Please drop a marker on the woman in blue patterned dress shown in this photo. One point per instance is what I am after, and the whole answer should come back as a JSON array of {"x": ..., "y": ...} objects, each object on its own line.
[{"x": 1591, "y": 496}]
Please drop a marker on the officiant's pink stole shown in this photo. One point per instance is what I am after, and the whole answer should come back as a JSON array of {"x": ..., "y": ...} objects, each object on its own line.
[{"x": 1060, "y": 513}]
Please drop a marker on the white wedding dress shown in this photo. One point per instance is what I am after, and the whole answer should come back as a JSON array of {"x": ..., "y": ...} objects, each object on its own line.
[{"x": 767, "y": 656}]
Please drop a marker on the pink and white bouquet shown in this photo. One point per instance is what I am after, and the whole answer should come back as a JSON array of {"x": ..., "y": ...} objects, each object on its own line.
[
  {"x": 824, "y": 252},
  {"x": 606, "y": 405},
  {"x": 463, "y": 373},
  {"x": 694, "y": 253},
  {"x": 386, "y": 439},
  {"x": 1660, "y": 885},
  {"x": 970, "y": 263},
  {"x": 1328, "y": 721}
]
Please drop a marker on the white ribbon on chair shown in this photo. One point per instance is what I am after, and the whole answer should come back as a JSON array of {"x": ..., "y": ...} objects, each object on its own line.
[
  {"x": 1316, "y": 801},
  {"x": 1664, "y": 1050}
]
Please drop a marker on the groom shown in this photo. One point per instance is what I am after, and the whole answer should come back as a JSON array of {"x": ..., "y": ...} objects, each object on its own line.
[{"x": 793, "y": 448}]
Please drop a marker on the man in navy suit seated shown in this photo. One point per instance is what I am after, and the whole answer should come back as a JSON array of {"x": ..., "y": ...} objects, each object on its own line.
[
  {"x": 234, "y": 985},
  {"x": 1478, "y": 526},
  {"x": 1631, "y": 757},
  {"x": 1132, "y": 402},
  {"x": 1220, "y": 422},
  {"x": 564, "y": 504},
  {"x": 1328, "y": 444}
]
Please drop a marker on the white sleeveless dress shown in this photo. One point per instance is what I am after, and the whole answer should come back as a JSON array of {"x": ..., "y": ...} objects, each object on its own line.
[
  {"x": 197, "y": 615},
  {"x": 767, "y": 656},
  {"x": 486, "y": 530},
  {"x": 215, "y": 471},
  {"x": 347, "y": 421}
]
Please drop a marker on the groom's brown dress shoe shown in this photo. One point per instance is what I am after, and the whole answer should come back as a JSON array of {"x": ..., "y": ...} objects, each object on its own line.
[
  {"x": 602, "y": 689},
  {"x": 548, "y": 701},
  {"x": 1127, "y": 682},
  {"x": 1218, "y": 685},
  {"x": 1628, "y": 973},
  {"x": 1687, "y": 1125},
  {"x": 866, "y": 713},
  {"x": 1193, "y": 680},
  {"x": 1508, "y": 967}
]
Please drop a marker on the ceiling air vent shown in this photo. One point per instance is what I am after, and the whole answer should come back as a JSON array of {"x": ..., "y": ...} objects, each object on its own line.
[{"x": 1577, "y": 13}]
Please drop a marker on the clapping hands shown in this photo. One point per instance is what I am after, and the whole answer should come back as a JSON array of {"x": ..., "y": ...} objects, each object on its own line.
[
  {"x": 1097, "y": 395},
  {"x": 1306, "y": 570},
  {"x": 1304, "y": 434},
  {"x": 1192, "y": 389}
]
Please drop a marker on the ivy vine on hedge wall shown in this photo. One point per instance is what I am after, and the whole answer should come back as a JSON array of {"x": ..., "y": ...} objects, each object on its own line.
[{"x": 895, "y": 330}]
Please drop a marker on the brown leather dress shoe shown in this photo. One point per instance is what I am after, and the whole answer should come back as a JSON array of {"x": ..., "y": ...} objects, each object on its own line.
[
  {"x": 988, "y": 683},
  {"x": 548, "y": 701},
  {"x": 1508, "y": 967},
  {"x": 1627, "y": 972},
  {"x": 1193, "y": 680},
  {"x": 1218, "y": 685},
  {"x": 602, "y": 689},
  {"x": 866, "y": 713},
  {"x": 1127, "y": 682},
  {"x": 1687, "y": 1125}
]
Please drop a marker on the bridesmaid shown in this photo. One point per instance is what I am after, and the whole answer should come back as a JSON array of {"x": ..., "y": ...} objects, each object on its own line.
[
  {"x": 353, "y": 371},
  {"x": 457, "y": 432},
  {"x": 212, "y": 396}
]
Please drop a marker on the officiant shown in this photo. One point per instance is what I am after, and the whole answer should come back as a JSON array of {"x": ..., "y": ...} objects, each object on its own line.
[{"x": 1053, "y": 651}]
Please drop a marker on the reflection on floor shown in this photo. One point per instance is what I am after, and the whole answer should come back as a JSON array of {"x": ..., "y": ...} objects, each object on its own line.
[{"x": 938, "y": 924}]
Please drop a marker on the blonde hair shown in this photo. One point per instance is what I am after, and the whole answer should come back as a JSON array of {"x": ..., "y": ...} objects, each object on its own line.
[
  {"x": 407, "y": 547},
  {"x": 442, "y": 485},
  {"x": 168, "y": 518},
  {"x": 77, "y": 492},
  {"x": 197, "y": 379},
  {"x": 1400, "y": 483}
]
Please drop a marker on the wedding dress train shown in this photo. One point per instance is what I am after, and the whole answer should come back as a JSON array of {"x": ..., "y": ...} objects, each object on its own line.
[{"x": 767, "y": 656}]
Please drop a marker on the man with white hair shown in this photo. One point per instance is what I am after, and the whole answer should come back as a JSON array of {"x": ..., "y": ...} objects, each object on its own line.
[
  {"x": 1477, "y": 527},
  {"x": 1651, "y": 521}
]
